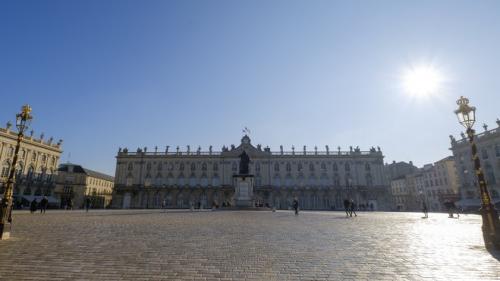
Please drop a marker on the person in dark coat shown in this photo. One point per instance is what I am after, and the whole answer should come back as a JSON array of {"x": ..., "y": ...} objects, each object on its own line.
[
  {"x": 33, "y": 206},
  {"x": 87, "y": 204},
  {"x": 43, "y": 205},
  {"x": 424, "y": 209},
  {"x": 347, "y": 207},
  {"x": 352, "y": 208},
  {"x": 295, "y": 206}
]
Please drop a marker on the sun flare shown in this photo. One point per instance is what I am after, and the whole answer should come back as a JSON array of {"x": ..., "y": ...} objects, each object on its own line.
[{"x": 422, "y": 81}]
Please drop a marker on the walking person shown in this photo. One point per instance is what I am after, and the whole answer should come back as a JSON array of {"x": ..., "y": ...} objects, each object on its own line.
[
  {"x": 424, "y": 209},
  {"x": 295, "y": 206},
  {"x": 43, "y": 205},
  {"x": 87, "y": 204},
  {"x": 33, "y": 206},
  {"x": 347, "y": 205},
  {"x": 353, "y": 208}
]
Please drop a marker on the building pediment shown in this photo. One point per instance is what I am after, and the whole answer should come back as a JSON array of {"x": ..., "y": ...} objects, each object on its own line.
[{"x": 246, "y": 146}]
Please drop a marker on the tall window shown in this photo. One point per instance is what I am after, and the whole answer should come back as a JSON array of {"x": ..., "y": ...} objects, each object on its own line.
[
  {"x": 299, "y": 167},
  {"x": 288, "y": 167},
  {"x": 367, "y": 167},
  {"x": 497, "y": 150},
  {"x": 215, "y": 167},
  {"x": 5, "y": 169},
  {"x": 193, "y": 166},
  {"x": 347, "y": 167},
  {"x": 181, "y": 166},
  {"x": 276, "y": 167},
  {"x": 257, "y": 167},
  {"x": 130, "y": 166},
  {"x": 234, "y": 167},
  {"x": 335, "y": 167},
  {"x": 311, "y": 167},
  {"x": 323, "y": 166},
  {"x": 490, "y": 175},
  {"x": 204, "y": 166}
]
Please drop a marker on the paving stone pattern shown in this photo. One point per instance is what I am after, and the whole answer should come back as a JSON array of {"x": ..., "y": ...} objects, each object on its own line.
[{"x": 244, "y": 245}]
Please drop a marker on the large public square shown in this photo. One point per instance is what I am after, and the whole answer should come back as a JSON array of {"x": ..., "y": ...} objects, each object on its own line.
[{"x": 244, "y": 245}]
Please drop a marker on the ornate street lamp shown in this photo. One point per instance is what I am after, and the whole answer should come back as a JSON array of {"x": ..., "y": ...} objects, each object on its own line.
[
  {"x": 491, "y": 224},
  {"x": 23, "y": 120}
]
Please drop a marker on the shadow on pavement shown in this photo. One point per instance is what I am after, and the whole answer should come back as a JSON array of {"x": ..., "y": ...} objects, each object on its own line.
[{"x": 495, "y": 253}]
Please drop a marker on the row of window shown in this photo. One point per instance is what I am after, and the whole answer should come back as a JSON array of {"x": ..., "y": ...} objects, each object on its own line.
[
  {"x": 234, "y": 167},
  {"x": 34, "y": 155}
]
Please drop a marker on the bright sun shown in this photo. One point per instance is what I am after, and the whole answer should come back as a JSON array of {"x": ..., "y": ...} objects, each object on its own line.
[{"x": 422, "y": 81}]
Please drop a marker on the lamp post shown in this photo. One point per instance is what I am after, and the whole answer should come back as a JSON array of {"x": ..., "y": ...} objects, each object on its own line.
[
  {"x": 491, "y": 224},
  {"x": 23, "y": 120}
]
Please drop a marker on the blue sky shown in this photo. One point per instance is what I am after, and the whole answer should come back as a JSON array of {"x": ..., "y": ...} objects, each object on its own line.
[{"x": 109, "y": 74}]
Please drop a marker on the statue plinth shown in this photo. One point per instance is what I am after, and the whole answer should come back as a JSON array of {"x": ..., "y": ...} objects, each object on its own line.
[{"x": 243, "y": 190}]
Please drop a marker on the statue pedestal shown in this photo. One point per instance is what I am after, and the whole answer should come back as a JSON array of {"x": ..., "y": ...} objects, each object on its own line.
[{"x": 243, "y": 191}]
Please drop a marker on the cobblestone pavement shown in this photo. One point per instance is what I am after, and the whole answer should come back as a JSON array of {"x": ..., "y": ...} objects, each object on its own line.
[{"x": 244, "y": 245}]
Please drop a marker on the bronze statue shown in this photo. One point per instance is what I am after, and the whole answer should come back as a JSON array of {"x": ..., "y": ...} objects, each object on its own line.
[{"x": 244, "y": 161}]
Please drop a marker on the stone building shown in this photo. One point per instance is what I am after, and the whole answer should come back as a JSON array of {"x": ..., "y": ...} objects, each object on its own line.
[
  {"x": 488, "y": 145},
  {"x": 35, "y": 168},
  {"x": 441, "y": 183},
  {"x": 407, "y": 192},
  {"x": 74, "y": 184},
  {"x": 434, "y": 183},
  {"x": 319, "y": 179}
]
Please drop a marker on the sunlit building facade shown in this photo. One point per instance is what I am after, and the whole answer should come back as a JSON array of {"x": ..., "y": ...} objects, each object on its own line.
[
  {"x": 488, "y": 145},
  {"x": 319, "y": 179},
  {"x": 36, "y": 166}
]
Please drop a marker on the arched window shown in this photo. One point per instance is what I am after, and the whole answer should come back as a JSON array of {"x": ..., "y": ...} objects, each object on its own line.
[
  {"x": 276, "y": 167},
  {"x": 181, "y": 166},
  {"x": 19, "y": 169},
  {"x": 148, "y": 166},
  {"x": 367, "y": 167},
  {"x": 497, "y": 150},
  {"x": 215, "y": 167},
  {"x": 31, "y": 171},
  {"x": 234, "y": 167},
  {"x": 335, "y": 167},
  {"x": 311, "y": 167},
  {"x": 11, "y": 151},
  {"x": 193, "y": 166},
  {"x": 288, "y": 167},
  {"x": 257, "y": 167},
  {"x": 130, "y": 166},
  {"x": 33, "y": 156},
  {"x": 347, "y": 167},
  {"x": 323, "y": 166},
  {"x": 204, "y": 166},
  {"x": 160, "y": 166},
  {"x": 299, "y": 167}
]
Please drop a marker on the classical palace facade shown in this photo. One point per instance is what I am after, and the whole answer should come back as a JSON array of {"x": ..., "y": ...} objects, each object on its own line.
[
  {"x": 318, "y": 179},
  {"x": 36, "y": 166},
  {"x": 488, "y": 145}
]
